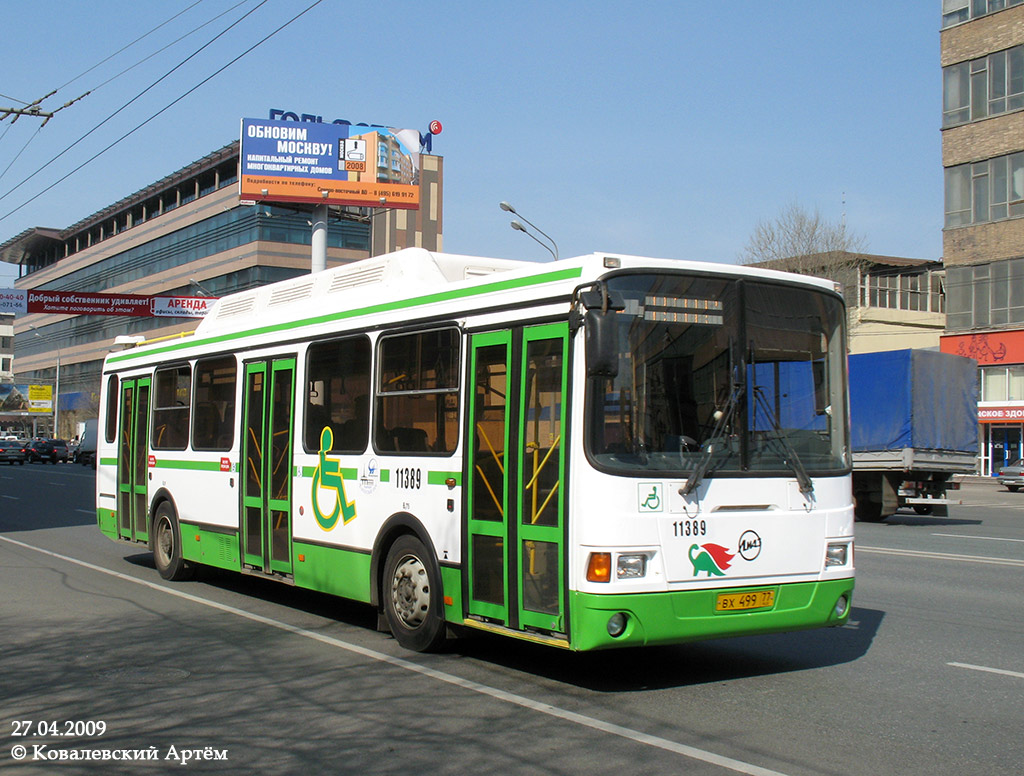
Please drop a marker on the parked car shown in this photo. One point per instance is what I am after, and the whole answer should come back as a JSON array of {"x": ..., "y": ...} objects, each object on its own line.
[
  {"x": 1012, "y": 476},
  {"x": 60, "y": 451},
  {"x": 12, "y": 452},
  {"x": 40, "y": 451}
]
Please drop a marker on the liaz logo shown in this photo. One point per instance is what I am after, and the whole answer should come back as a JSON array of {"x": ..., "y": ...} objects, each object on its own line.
[{"x": 711, "y": 558}]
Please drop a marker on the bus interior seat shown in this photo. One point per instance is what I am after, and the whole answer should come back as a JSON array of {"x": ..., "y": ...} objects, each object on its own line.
[{"x": 409, "y": 440}]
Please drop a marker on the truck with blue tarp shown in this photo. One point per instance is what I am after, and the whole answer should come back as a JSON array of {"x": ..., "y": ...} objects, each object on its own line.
[{"x": 913, "y": 419}]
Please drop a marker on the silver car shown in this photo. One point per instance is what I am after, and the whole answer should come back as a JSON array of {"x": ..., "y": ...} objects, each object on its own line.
[
  {"x": 1012, "y": 476},
  {"x": 12, "y": 452}
]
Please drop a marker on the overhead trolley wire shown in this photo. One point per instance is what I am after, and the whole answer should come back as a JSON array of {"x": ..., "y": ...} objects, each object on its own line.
[
  {"x": 128, "y": 46},
  {"x": 191, "y": 56},
  {"x": 169, "y": 105},
  {"x": 94, "y": 89}
]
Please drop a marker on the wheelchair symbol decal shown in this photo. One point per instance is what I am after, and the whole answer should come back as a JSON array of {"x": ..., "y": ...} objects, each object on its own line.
[
  {"x": 650, "y": 496},
  {"x": 328, "y": 477}
]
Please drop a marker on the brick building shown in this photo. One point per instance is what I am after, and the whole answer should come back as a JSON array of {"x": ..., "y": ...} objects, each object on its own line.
[{"x": 982, "y": 57}]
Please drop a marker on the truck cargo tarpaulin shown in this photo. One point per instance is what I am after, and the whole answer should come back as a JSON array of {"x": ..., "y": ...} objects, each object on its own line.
[{"x": 22, "y": 301}]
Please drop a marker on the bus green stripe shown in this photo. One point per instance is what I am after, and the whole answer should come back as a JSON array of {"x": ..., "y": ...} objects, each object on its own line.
[
  {"x": 438, "y": 478},
  {"x": 440, "y": 296},
  {"x": 346, "y": 474},
  {"x": 202, "y": 466}
]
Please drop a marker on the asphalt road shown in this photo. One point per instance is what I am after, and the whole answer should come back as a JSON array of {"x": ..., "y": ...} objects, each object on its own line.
[{"x": 927, "y": 678}]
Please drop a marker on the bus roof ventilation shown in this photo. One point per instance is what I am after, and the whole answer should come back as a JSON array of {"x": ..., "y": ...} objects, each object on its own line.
[
  {"x": 359, "y": 276},
  {"x": 290, "y": 294},
  {"x": 235, "y": 306}
]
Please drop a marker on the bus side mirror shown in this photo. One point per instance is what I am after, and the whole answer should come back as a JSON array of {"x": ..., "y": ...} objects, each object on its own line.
[{"x": 601, "y": 343}]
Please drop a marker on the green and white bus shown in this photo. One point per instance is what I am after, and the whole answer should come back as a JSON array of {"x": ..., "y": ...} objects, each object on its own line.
[{"x": 597, "y": 452}]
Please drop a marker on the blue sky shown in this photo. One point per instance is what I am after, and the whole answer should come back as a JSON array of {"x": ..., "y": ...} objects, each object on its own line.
[{"x": 652, "y": 128}]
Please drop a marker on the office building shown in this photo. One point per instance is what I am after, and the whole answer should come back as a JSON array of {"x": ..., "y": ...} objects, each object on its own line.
[{"x": 184, "y": 235}]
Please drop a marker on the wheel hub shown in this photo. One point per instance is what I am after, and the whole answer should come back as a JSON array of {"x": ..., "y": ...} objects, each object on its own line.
[{"x": 410, "y": 591}]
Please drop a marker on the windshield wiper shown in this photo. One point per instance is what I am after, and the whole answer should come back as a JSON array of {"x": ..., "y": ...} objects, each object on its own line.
[
  {"x": 789, "y": 456},
  {"x": 723, "y": 417}
]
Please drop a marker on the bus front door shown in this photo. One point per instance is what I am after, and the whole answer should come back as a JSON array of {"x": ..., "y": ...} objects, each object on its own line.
[
  {"x": 516, "y": 474},
  {"x": 268, "y": 427},
  {"x": 133, "y": 460}
]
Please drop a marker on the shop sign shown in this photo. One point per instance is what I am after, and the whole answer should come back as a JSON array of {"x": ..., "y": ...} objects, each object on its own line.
[{"x": 1000, "y": 414}]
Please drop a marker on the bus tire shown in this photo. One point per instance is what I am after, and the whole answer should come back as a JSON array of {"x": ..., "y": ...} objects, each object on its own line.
[
  {"x": 411, "y": 595},
  {"x": 868, "y": 511},
  {"x": 167, "y": 545}
]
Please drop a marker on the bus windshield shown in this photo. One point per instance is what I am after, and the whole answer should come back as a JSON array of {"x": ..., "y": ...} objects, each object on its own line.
[{"x": 718, "y": 375}]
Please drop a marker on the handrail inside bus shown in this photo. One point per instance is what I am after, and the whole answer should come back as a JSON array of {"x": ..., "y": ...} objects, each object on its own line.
[
  {"x": 490, "y": 490},
  {"x": 490, "y": 447}
]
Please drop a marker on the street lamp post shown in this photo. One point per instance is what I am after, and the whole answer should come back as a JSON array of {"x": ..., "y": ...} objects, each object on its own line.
[
  {"x": 56, "y": 388},
  {"x": 520, "y": 228}
]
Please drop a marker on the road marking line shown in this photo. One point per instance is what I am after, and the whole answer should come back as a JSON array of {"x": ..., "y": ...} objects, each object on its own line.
[
  {"x": 87, "y": 511},
  {"x": 1001, "y": 671},
  {"x": 468, "y": 684},
  {"x": 12, "y": 498},
  {"x": 941, "y": 556},
  {"x": 987, "y": 538}
]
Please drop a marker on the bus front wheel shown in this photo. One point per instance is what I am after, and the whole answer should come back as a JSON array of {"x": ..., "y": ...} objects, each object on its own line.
[
  {"x": 412, "y": 596},
  {"x": 167, "y": 545}
]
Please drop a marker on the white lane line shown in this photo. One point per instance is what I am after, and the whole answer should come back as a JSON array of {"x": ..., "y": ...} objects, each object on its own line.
[
  {"x": 941, "y": 556},
  {"x": 468, "y": 684},
  {"x": 87, "y": 511},
  {"x": 986, "y": 538},
  {"x": 12, "y": 498},
  {"x": 986, "y": 669}
]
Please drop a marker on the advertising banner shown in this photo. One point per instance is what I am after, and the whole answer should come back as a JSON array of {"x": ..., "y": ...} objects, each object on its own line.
[
  {"x": 26, "y": 398},
  {"x": 988, "y": 348},
  {"x": 19, "y": 300},
  {"x": 336, "y": 164}
]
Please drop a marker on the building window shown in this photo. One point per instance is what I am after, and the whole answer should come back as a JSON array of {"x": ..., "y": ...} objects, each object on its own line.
[
  {"x": 1001, "y": 383},
  {"x": 957, "y": 11},
  {"x": 983, "y": 87},
  {"x": 922, "y": 291},
  {"x": 981, "y": 192},
  {"x": 985, "y": 295}
]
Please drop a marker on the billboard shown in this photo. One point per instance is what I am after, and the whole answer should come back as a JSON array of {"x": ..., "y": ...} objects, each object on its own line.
[
  {"x": 336, "y": 164},
  {"x": 26, "y": 398},
  {"x": 29, "y": 300}
]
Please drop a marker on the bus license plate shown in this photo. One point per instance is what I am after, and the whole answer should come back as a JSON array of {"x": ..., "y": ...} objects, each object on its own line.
[{"x": 754, "y": 599}]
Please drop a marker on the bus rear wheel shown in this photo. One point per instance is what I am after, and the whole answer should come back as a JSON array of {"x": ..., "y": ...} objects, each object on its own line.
[
  {"x": 167, "y": 545},
  {"x": 412, "y": 596}
]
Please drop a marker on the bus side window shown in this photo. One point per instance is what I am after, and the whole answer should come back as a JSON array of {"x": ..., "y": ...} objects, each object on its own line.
[
  {"x": 417, "y": 392},
  {"x": 213, "y": 413},
  {"x": 337, "y": 386},
  {"x": 171, "y": 402}
]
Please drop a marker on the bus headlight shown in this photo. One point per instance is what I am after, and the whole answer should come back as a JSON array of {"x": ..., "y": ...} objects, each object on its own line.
[
  {"x": 841, "y": 606},
  {"x": 837, "y": 554},
  {"x": 631, "y": 566}
]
